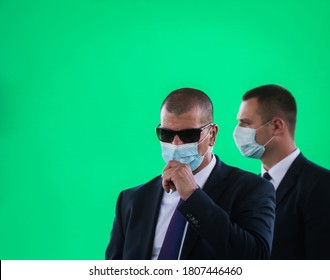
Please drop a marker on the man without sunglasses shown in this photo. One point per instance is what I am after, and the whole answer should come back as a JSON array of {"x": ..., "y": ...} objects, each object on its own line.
[
  {"x": 266, "y": 131},
  {"x": 199, "y": 208}
]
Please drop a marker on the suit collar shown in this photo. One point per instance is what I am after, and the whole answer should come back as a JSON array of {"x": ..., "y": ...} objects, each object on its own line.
[
  {"x": 153, "y": 189},
  {"x": 290, "y": 178},
  {"x": 278, "y": 171},
  {"x": 214, "y": 187},
  {"x": 217, "y": 177}
]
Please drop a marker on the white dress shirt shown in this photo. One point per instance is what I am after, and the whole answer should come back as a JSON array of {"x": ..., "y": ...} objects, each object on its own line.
[
  {"x": 278, "y": 171},
  {"x": 167, "y": 208}
]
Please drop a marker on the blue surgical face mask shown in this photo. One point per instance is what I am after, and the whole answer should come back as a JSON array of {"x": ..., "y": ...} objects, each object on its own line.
[
  {"x": 245, "y": 139},
  {"x": 185, "y": 153}
]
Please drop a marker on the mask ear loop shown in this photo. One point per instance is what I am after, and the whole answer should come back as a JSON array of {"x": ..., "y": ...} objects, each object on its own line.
[
  {"x": 269, "y": 141},
  {"x": 203, "y": 141},
  {"x": 204, "y": 137},
  {"x": 263, "y": 125},
  {"x": 270, "y": 138}
]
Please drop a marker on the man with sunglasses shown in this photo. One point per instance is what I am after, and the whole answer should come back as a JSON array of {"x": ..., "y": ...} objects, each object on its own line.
[
  {"x": 265, "y": 131},
  {"x": 199, "y": 208}
]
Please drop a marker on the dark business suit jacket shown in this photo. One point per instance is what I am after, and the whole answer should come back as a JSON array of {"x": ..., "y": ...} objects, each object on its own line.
[
  {"x": 302, "y": 225},
  {"x": 231, "y": 218}
]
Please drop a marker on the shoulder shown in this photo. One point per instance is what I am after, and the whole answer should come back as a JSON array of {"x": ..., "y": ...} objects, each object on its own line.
[
  {"x": 309, "y": 165},
  {"x": 313, "y": 182},
  {"x": 252, "y": 182},
  {"x": 243, "y": 176},
  {"x": 310, "y": 170},
  {"x": 240, "y": 179},
  {"x": 143, "y": 189}
]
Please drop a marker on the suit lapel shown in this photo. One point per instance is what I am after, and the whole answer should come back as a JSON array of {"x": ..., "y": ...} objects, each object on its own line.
[
  {"x": 215, "y": 184},
  {"x": 214, "y": 187},
  {"x": 289, "y": 180},
  {"x": 148, "y": 223}
]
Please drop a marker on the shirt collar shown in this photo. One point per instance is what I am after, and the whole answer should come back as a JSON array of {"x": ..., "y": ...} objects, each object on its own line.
[
  {"x": 202, "y": 176},
  {"x": 278, "y": 171}
]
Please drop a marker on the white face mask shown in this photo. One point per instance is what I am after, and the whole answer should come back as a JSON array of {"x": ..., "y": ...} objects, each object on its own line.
[
  {"x": 245, "y": 139},
  {"x": 185, "y": 153}
]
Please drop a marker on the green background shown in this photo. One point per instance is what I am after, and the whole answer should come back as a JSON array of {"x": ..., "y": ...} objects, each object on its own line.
[{"x": 81, "y": 83}]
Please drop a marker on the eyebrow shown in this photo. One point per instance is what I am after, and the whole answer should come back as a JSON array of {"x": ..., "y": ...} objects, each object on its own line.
[{"x": 244, "y": 120}]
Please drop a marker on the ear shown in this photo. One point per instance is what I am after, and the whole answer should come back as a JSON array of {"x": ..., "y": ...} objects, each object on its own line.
[
  {"x": 213, "y": 134},
  {"x": 279, "y": 126}
]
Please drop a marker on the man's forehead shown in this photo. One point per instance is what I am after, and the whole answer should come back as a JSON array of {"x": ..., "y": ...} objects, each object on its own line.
[
  {"x": 193, "y": 113},
  {"x": 188, "y": 119},
  {"x": 177, "y": 111},
  {"x": 248, "y": 111},
  {"x": 249, "y": 107}
]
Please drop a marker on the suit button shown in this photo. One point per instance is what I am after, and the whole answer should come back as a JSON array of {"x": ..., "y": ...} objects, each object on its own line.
[{"x": 196, "y": 224}]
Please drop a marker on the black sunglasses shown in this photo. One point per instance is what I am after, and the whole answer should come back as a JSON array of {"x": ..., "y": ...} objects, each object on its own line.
[{"x": 189, "y": 135}]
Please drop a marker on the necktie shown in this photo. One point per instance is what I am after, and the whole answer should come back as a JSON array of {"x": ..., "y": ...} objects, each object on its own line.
[
  {"x": 267, "y": 176},
  {"x": 173, "y": 237}
]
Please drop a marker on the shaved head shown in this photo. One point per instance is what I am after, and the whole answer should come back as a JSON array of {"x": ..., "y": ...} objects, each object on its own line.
[{"x": 183, "y": 100}]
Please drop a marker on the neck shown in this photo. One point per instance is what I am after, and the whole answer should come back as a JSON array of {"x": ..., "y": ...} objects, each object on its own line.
[
  {"x": 206, "y": 161},
  {"x": 276, "y": 154}
]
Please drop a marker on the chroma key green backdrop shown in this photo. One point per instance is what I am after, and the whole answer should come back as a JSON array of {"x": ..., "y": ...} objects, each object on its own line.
[{"x": 81, "y": 83}]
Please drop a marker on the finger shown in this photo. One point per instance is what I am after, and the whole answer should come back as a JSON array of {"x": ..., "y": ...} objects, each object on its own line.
[
  {"x": 168, "y": 173},
  {"x": 172, "y": 164},
  {"x": 168, "y": 185},
  {"x": 168, "y": 182}
]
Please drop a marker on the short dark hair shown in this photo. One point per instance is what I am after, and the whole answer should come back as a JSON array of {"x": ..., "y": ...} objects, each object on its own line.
[
  {"x": 185, "y": 99},
  {"x": 275, "y": 101}
]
